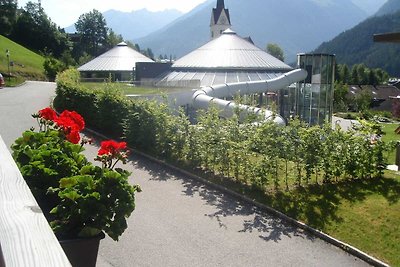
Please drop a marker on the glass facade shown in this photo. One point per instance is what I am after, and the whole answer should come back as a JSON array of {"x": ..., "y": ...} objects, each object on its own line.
[{"x": 312, "y": 99}]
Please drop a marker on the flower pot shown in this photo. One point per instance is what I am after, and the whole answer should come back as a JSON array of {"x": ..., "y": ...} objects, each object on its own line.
[{"x": 82, "y": 252}]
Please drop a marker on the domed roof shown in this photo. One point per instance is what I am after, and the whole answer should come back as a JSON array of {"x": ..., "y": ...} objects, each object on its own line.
[
  {"x": 119, "y": 58},
  {"x": 229, "y": 51}
]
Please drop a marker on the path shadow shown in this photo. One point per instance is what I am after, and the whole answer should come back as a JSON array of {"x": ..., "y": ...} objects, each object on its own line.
[
  {"x": 270, "y": 227},
  {"x": 318, "y": 204}
]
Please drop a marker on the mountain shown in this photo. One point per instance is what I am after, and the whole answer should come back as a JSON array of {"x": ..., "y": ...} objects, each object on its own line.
[
  {"x": 356, "y": 45},
  {"x": 391, "y": 6},
  {"x": 369, "y": 6},
  {"x": 136, "y": 24},
  {"x": 297, "y": 26}
]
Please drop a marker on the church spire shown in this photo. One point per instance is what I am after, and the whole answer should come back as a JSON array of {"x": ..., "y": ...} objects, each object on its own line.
[
  {"x": 220, "y": 4},
  {"x": 220, "y": 19}
]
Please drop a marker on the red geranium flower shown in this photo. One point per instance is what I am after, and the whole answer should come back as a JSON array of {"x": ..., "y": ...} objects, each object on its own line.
[
  {"x": 70, "y": 121},
  {"x": 76, "y": 119},
  {"x": 111, "y": 147},
  {"x": 48, "y": 114},
  {"x": 73, "y": 137}
]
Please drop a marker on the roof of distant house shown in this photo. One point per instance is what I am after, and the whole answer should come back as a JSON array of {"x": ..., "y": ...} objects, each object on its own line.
[{"x": 119, "y": 58}]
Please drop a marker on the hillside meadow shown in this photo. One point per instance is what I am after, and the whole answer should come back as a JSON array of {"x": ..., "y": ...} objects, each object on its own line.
[{"x": 27, "y": 64}]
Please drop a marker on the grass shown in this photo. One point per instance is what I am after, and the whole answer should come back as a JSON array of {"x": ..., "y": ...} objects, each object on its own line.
[
  {"x": 362, "y": 213},
  {"x": 390, "y": 135},
  {"x": 14, "y": 81},
  {"x": 135, "y": 90},
  {"x": 27, "y": 64}
]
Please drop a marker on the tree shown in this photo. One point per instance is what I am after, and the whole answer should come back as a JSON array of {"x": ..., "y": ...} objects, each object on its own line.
[
  {"x": 8, "y": 16},
  {"x": 51, "y": 67},
  {"x": 92, "y": 29},
  {"x": 35, "y": 30},
  {"x": 372, "y": 78},
  {"x": 339, "y": 96},
  {"x": 276, "y": 51},
  {"x": 362, "y": 74},
  {"x": 148, "y": 53},
  {"x": 345, "y": 74},
  {"x": 363, "y": 100},
  {"x": 354, "y": 75},
  {"x": 113, "y": 39}
]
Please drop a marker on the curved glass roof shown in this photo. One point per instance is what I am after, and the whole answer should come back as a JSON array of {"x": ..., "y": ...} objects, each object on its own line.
[
  {"x": 229, "y": 51},
  {"x": 119, "y": 58}
]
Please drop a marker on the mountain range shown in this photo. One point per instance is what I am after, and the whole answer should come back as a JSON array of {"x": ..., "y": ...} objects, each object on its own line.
[
  {"x": 296, "y": 26},
  {"x": 136, "y": 24},
  {"x": 356, "y": 45},
  {"x": 391, "y": 6}
]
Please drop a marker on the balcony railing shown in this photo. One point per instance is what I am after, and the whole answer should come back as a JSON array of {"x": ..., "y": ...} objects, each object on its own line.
[{"x": 26, "y": 238}]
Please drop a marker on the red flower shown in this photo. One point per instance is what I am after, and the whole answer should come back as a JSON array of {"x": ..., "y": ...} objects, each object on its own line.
[
  {"x": 70, "y": 121},
  {"x": 73, "y": 137},
  {"x": 48, "y": 114},
  {"x": 76, "y": 118},
  {"x": 111, "y": 147}
]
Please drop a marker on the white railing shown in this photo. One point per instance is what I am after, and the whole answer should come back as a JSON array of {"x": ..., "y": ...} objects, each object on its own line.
[{"x": 26, "y": 238}]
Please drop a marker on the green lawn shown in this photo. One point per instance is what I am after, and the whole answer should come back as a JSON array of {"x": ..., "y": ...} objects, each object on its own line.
[
  {"x": 390, "y": 135},
  {"x": 135, "y": 90},
  {"x": 362, "y": 213},
  {"x": 26, "y": 63}
]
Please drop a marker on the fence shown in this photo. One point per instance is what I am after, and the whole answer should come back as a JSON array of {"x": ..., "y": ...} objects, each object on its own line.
[{"x": 26, "y": 238}]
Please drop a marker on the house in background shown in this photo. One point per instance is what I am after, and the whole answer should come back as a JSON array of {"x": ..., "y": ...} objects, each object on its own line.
[{"x": 381, "y": 95}]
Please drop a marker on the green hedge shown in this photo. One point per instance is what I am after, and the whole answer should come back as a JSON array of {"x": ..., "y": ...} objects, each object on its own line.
[
  {"x": 263, "y": 155},
  {"x": 103, "y": 110}
]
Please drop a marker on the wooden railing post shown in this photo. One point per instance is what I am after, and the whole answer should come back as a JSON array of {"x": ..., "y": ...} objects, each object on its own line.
[{"x": 25, "y": 235}]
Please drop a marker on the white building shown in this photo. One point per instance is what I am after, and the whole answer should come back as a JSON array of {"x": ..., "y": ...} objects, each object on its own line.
[{"x": 119, "y": 62}]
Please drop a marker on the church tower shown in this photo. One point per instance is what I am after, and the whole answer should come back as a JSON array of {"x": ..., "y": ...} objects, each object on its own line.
[{"x": 220, "y": 19}]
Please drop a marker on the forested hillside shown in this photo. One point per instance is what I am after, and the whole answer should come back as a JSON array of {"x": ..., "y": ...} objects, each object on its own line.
[
  {"x": 391, "y": 6},
  {"x": 357, "y": 46}
]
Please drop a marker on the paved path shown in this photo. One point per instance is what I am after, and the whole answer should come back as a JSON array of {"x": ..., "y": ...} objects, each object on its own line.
[{"x": 180, "y": 222}]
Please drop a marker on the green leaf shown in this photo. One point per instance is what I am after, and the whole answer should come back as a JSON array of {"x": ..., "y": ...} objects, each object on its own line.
[
  {"x": 54, "y": 210},
  {"x": 73, "y": 195},
  {"x": 68, "y": 182}
]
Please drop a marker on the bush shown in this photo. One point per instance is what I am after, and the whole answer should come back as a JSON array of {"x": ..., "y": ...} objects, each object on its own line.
[
  {"x": 259, "y": 155},
  {"x": 104, "y": 110}
]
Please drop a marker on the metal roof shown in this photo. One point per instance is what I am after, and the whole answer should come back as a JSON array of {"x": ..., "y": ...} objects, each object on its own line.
[
  {"x": 195, "y": 79},
  {"x": 229, "y": 51},
  {"x": 119, "y": 58}
]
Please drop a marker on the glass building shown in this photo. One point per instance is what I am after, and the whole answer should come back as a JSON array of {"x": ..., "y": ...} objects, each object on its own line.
[{"x": 311, "y": 100}]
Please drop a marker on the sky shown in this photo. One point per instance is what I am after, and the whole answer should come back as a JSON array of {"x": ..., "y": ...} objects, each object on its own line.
[{"x": 66, "y": 12}]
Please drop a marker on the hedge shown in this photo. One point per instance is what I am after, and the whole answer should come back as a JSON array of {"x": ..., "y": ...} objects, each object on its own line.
[{"x": 263, "y": 155}]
